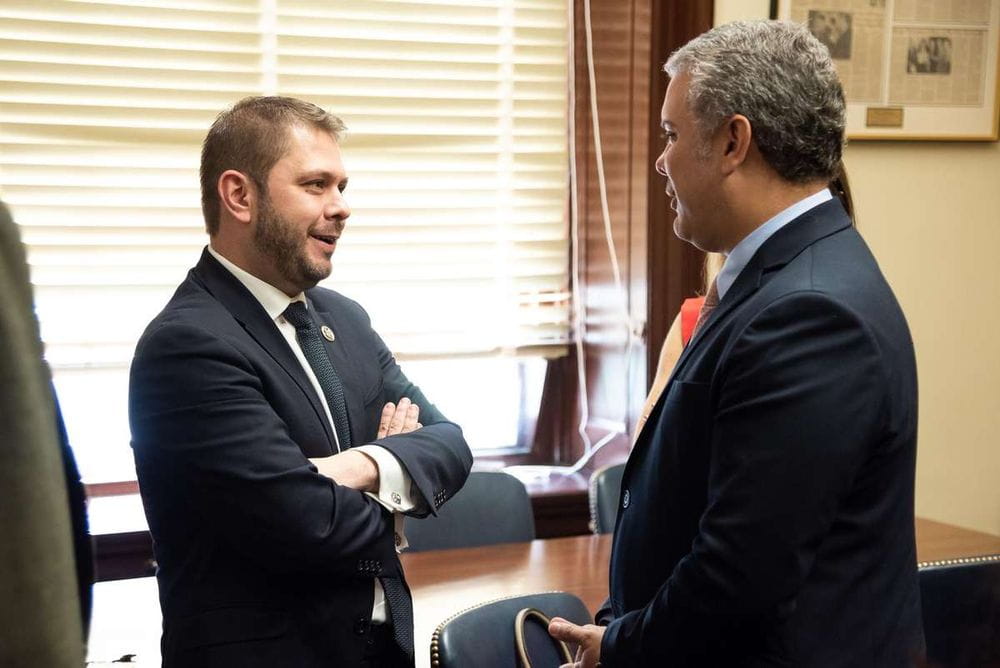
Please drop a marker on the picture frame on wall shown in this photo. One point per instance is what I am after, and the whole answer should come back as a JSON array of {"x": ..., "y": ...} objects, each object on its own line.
[{"x": 911, "y": 69}]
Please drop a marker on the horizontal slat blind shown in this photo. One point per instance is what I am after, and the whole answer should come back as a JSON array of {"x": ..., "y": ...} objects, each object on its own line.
[
  {"x": 456, "y": 148},
  {"x": 102, "y": 109}
]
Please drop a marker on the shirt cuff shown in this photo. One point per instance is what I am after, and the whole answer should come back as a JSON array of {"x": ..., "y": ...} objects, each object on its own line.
[{"x": 394, "y": 483}]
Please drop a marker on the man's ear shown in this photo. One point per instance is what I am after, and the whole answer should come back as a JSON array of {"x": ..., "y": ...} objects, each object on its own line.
[
  {"x": 737, "y": 136},
  {"x": 236, "y": 194}
]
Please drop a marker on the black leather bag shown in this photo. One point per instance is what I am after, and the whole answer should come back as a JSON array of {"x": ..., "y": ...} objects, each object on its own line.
[
  {"x": 507, "y": 632},
  {"x": 535, "y": 647}
]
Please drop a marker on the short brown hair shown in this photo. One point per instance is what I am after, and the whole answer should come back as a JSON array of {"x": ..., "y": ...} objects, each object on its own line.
[{"x": 250, "y": 137}]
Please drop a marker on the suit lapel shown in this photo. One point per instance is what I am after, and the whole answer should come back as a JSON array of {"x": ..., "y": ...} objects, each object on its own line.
[
  {"x": 784, "y": 245},
  {"x": 251, "y": 315}
]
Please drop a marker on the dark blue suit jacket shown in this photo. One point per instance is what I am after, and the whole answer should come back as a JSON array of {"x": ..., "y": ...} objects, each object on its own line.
[
  {"x": 766, "y": 516},
  {"x": 263, "y": 561}
]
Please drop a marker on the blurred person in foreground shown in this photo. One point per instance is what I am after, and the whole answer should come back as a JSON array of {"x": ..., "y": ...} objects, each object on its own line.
[
  {"x": 276, "y": 440},
  {"x": 766, "y": 514}
]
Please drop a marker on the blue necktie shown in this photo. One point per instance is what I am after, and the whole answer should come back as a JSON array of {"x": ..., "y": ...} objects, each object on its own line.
[{"x": 315, "y": 352}]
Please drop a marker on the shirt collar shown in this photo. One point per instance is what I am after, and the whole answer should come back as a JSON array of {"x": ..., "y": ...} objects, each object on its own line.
[
  {"x": 741, "y": 254},
  {"x": 271, "y": 298}
]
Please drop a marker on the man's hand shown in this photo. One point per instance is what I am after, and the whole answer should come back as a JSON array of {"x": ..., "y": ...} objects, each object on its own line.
[
  {"x": 587, "y": 637},
  {"x": 350, "y": 468},
  {"x": 357, "y": 470},
  {"x": 399, "y": 419}
]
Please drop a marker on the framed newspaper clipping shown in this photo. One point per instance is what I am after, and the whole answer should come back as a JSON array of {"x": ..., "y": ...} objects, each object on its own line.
[{"x": 911, "y": 69}]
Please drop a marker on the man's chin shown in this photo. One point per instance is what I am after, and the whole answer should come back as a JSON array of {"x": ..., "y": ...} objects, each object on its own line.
[
  {"x": 680, "y": 229},
  {"x": 307, "y": 275},
  {"x": 683, "y": 232},
  {"x": 316, "y": 274}
]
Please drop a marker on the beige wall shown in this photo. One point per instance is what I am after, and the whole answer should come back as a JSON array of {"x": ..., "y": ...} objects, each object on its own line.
[{"x": 931, "y": 213}]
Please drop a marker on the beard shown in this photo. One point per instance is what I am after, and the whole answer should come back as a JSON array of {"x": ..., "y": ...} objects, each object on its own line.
[{"x": 278, "y": 240}]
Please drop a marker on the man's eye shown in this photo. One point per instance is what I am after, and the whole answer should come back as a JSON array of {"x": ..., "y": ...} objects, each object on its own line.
[
  {"x": 317, "y": 184},
  {"x": 668, "y": 137}
]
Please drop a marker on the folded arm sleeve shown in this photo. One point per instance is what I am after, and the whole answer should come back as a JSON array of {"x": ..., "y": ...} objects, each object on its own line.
[
  {"x": 205, "y": 434},
  {"x": 436, "y": 456},
  {"x": 798, "y": 402}
]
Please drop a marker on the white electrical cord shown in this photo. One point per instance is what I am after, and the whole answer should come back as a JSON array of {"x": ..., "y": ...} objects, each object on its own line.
[
  {"x": 591, "y": 450},
  {"x": 579, "y": 322}
]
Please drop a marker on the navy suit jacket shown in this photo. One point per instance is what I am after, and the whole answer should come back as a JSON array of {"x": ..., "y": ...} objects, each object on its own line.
[
  {"x": 766, "y": 516},
  {"x": 261, "y": 560}
]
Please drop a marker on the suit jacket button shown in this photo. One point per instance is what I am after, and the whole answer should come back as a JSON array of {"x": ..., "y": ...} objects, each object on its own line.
[
  {"x": 361, "y": 626},
  {"x": 626, "y": 499}
]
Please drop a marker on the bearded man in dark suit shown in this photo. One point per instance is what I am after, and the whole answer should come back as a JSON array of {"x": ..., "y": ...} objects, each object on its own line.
[
  {"x": 276, "y": 440},
  {"x": 766, "y": 514}
]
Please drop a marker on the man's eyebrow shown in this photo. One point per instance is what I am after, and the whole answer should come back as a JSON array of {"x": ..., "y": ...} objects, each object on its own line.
[{"x": 666, "y": 125}]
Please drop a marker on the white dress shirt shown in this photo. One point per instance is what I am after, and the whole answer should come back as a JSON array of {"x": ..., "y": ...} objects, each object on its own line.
[{"x": 395, "y": 487}]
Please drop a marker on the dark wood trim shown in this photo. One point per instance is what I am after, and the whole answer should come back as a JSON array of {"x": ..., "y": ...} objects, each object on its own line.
[
  {"x": 123, "y": 555},
  {"x": 561, "y": 514},
  {"x": 120, "y": 488},
  {"x": 559, "y": 415},
  {"x": 675, "y": 267},
  {"x": 632, "y": 40}
]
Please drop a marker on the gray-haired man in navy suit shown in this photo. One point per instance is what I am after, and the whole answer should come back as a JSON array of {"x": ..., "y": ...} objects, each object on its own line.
[{"x": 766, "y": 516}]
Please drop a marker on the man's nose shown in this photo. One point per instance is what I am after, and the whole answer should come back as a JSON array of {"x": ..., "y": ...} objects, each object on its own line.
[
  {"x": 337, "y": 207},
  {"x": 660, "y": 167}
]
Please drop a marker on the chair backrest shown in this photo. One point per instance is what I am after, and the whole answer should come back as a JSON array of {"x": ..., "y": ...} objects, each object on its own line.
[
  {"x": 960, "y": 599},
  {"x": 605, "y": 488},
  {"x": 40, "y": 593},
  {"x": 492, "y": 507},
  {"x": 483, "y": 636}
]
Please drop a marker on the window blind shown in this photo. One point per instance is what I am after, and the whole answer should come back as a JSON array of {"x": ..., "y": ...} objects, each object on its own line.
[{"x": 456, "y": 149}]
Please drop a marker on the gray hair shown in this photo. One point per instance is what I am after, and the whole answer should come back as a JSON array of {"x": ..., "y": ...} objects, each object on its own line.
[{"x": 782, "y": 79}]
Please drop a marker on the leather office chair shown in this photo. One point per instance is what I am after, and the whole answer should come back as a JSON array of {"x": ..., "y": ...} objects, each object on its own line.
[
  {"x": 45, "y": 558},
  {"x": 604, "y": 492},
  {"x": 484, "y": 636},
  {"x": 493, "y": 507},
  {"x": 961, "y": 607}
]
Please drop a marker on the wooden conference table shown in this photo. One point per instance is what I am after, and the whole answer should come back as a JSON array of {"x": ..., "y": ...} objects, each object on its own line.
[{"x": 127, "y": 616}]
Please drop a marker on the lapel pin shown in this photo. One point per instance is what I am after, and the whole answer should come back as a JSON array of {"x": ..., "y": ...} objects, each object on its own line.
[{"x": 327, "y": 333}]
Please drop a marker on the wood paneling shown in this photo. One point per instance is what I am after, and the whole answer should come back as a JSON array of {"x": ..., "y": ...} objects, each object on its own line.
[
  {"x": 615, "y": 371},
  {"x": 675, "y": 267},
  {"x": 631, "y": 40}
]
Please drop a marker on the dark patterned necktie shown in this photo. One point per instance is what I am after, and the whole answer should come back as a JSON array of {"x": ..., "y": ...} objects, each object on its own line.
[
  {"x": 315, "y": 352},
  {"x": 401, "y": 612},
  {"x": 398, "y": 599}
]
